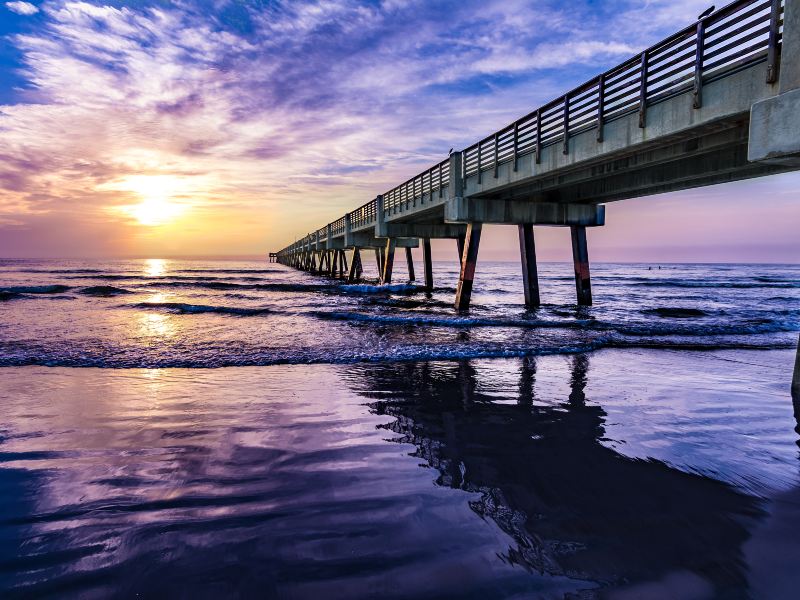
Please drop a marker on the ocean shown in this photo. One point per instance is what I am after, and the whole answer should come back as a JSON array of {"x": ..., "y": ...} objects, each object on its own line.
[{"x": 199, "y": 428}]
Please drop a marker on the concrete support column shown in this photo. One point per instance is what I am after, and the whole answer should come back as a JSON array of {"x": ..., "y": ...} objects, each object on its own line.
[
  {"x": 469, "y": 260},
  {"x": 379, "y": 261},
  {"x": 410, "y": 264},
  {"x": 530, "y": 275},
  {"x": 427, "y": 259},
  {"x": 580, "y": 258},
  {"x": 388, "y": 261},
  {"x": 352, "y": 275},
  {"x": 342, "y": 263},
  {"x": 460, "y": 246}
]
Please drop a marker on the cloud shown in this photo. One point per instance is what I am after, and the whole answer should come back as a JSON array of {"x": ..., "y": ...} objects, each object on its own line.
[
  {"x": 22, "y": 8},
  {"x": 288, "y": 111}
]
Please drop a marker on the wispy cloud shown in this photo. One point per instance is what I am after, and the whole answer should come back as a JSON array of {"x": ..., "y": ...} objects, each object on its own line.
[
  {"x": 22, "y": 8},
  {"x": 256, "y": 107}
]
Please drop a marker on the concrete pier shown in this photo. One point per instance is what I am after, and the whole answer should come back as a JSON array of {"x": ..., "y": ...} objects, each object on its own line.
[
  {"x": 428, "y": 264},
  {"x": 469, "y": 260},
  {"x": 580, "y": 258},
  {"x": 719, "y": 108},
  {"x": 530, "y": 274}
]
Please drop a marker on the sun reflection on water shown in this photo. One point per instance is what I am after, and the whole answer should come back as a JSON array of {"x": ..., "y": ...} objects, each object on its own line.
[
  {"x": 155, "y": 267},
  {"x": 156, "y": 325}
]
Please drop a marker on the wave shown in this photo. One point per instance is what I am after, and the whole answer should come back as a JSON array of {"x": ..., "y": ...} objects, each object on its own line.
[
  {"x": 238, "y": 356},
  {"x": 104, "y": 290},
  {"x": 184, "y": 308},
  {"x": 364, "y": 288},
  {"x": 35, "y": 289},
  {"x": 446, "y": 321},
  {"x": 151, "y": 278},
  {"x": 676, "y": 283},
  {"x": 8, "y": 296},
  {"x": 676, "y": 312},
  {"x": 744, "y": 327},
  {"x": 226, "y": 271}
]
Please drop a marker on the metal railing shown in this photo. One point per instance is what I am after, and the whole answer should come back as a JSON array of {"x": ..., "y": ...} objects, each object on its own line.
[
  {"x": 734, "y": 37},
  {"x": 739, "y": 35}
]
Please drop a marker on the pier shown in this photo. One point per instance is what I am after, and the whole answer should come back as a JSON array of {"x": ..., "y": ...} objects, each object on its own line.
[{"x": 717, "y": 101}]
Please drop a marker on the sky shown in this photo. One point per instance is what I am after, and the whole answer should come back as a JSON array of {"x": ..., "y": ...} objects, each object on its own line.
[{"x": 230, "y": 128}]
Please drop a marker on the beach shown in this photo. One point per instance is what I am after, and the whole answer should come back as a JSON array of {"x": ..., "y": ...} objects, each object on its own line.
[{"x": 581, "y": 468}]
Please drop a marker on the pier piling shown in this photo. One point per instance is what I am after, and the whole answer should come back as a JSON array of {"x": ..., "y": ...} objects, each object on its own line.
[
  {"x": 388, "y": 261},
  {"x": 410, "y": 263},
  {"x": 580, "y": 258},
  {"x": 530, "y": 275},
  {"x": 469, "y": 259},
  {"x": 460, "y": 245},
  {"x": 428, "y": 263},
  {"x": 352, "y": 275}
]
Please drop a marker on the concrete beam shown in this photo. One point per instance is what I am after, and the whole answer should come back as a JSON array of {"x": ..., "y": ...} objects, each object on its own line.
[
  {"x": 425, "y": 230},
  {"x": 520, "y": 212},
  {"x": 775, "y": 130},
  {"x": 775, "y": 122},
  {"x": 789, "y": 72},
  {"x": 365, "y": 239}
]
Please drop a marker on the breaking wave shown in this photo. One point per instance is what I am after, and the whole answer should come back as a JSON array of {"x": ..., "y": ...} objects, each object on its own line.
[{"x": 192, "y": 309}]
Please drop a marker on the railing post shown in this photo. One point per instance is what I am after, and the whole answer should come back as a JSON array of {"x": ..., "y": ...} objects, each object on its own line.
[
  {"x": 538, "y": 148},
  {"x": 773, "y": 51},
  {"x": 480, "y": 146},
  {"x": 697, "y": 99},
  {"x": 495, "y": 155},
  {"x": 441, "y": 191},
  {"x": 601, "y": 98},
  {"x": 566, "y": 124},
  {"x": 643, "y": 92},
  {"x": 516, "y": 143}
]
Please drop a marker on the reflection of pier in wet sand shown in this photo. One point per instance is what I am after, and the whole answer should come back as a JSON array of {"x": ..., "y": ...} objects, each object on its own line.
[{"x": 572, "y": 505}]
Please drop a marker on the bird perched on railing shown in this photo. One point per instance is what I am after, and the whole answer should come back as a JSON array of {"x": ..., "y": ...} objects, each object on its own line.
[{"x": 706, "y": 12}]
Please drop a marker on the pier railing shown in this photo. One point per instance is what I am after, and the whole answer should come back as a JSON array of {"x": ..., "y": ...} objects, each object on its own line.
[{"x": 737, "y": 36}]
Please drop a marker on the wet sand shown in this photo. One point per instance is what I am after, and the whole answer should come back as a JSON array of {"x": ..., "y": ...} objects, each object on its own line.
[{"x": 612, "y": 474}]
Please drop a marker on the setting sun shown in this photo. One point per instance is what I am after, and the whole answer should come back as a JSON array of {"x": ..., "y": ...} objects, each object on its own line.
[
  {"x": 154, "y": 211},
  {"x": 158, "y": 193}
]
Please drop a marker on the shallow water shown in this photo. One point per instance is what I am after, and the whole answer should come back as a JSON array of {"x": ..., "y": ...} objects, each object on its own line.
[
  {"x": 662, "y": 462},
  {"x": 195, "y": 314}
]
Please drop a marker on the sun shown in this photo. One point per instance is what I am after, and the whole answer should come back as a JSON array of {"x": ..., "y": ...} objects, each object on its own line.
[
  {"x": 155, "y": 211},
  {"x": 158, "y": 195}
]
